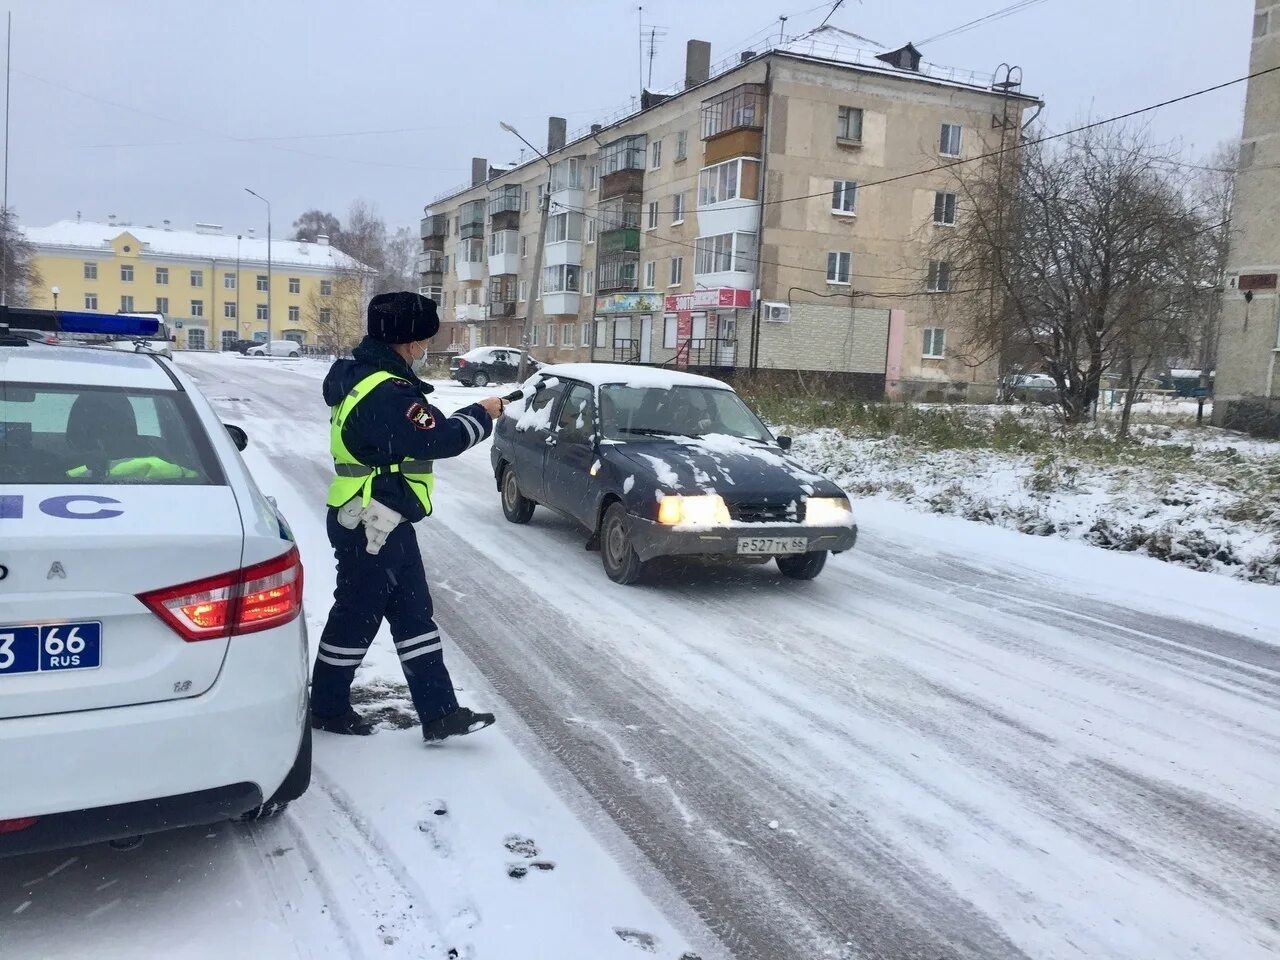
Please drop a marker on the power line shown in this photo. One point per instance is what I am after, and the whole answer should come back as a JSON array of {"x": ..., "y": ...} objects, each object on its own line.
[{"x": 1000, "y": 14}]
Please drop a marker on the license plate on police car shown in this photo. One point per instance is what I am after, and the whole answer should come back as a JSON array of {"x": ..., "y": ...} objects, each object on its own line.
[
  {"x": 756, "y": 546},
  {"x": 50, "y": 647}
]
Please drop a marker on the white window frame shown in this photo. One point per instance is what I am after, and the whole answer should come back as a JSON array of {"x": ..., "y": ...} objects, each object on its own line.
[
  {"x": 939, "y": 279},
  {"x": 551, "y": 334},
  {"x": 197, "y": 279},
  {"x": 841, "y": 191},
  {"x": 682, "y": 145},
  {"x": 533, "y": 334},
  {"x": 229, "y": 310},
  {"x": 584, "y": 333},
  {"x": 162, "y": 276},
  {"x": 935, "y": 344},
  {"x": 717, "y": 185},
  {"x": 593, "y": 176},
  {"x": 949, "y": 132},
  {"x": 325, "y": 316},
  {"x": 566, "y": 336},
  {"x": 197, "y": 308},
  {"x": 326, "y": 288},
  {"x": 677, "y": 209},
  {"x": 90, "y": 270},
  {"x": 261, "y": 313},
  {"x": 715, "y": 247},
  {"x": 295, "y": 284},
  {"x": 650, "y": 274},
  {"x": 591, "y": 229},
  {"x": 91, "y": 301},
  {"x": 588, "y": 283},
  {"x": 262, "y": 283},
  {"x": 228, "y": 281},
  {"x": 843, "y": 258},
  {"x": 670, "y": 329},
  {"x": 843, "y": 116},
  {"x": 523, "y": 291},
  {"x": 295, "y": 314},
  {"x": 676, "y": 272},
  {"x": 162, "y": 305},
  {"x": 652, "y": 220},
  {"x": 126, "y": 302},
  {"x": 126, "y": 268},
  {"x": 941, "y": 199},
  {"x": 655, "y": 155},
  {"x": 524, "y": 247}
]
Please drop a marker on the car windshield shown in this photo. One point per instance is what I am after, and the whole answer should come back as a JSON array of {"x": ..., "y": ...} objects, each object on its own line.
[{"x": 688, "y": 411}]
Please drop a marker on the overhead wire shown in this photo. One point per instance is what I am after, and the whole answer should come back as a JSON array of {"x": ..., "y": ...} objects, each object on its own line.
[{"x": 1000, "y": 14}]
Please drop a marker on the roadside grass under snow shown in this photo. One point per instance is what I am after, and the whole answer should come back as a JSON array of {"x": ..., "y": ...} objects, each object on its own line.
[{"x": 1194, "y": 495}]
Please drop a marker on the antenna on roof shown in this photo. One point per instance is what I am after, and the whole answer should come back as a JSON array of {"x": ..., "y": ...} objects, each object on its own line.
[{"x": 782, "y": 30}]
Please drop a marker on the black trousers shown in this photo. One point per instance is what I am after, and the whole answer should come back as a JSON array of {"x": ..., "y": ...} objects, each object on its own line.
[{"x": 390, "y": 585}]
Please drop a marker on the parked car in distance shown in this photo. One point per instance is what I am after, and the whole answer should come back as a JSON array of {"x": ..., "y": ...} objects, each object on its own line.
[
  {"x": 656, "y": 463},
  {"x": 239, "y": 346},
  {"x": 161, "y": 343},
  {"x": 485, "y": 365},
  {"x": 1029, "y": 388},
  {"x": 276, "y": 348}
]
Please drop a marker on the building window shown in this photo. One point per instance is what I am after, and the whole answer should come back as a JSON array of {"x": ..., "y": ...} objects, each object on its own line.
[
  {"x": 593, "y": 176},
  {"x": 729, "y": 181},
  {"x": 677, "y": 208},
  {"x": 944, "y": 209},
  {"x": 625, "y": 153},
  {"x": 949, "y": 144},
  {"x": 197, "y": 308},
  {"x": 525, "y": 206},
  {"x": 229, "y": 310},
  {"x": 228, "y": 338},
  {"x": 650, "y": 274},
  {"x": 564, "y": 226},
  {"x": 591, "y": 229},
  {"x": 682, "y": 145},
  {"x": 228, "y": 281},
  {"x": 935, "y": 343},
  {"x": 844, "y": 197},
  {"x": 295, "y": 314},
  {"x": 326, "y": 316},
  {"x": 939, "y": 276},
  {"x": 197, "y": 278},
  {"x": 560, "y": 279},
  {"x": 653, "y": 214},
  {"x": 162, "y": 276},
  {"x": 588, "y": 281},
  {"x": 838, "y": 265},
  {"x": 446, "y": 263},
  {"x": 655, "y": 155},
  {"x": 725, "y": 252},
  {"x": 584, "y": 333},
  {"x": 295, "y": 285},
  {"x": 162, "y": 305},
  {"x": 523, "y": 294},
  {"x": 90, "y": 270},
  {"x": 677, "y": 271},
  {"x": 91, "y": 301},
  {"x": 524, "y": 246},
  {"x": 126, "y": 303},
  {"x": 195, "y": 339},
  {"x": 326, "y": 288},
  {"x": 551, "y": 334},
  {"x": 566, "y": 336},
  {"x": 126, "y": 272},
  {"x": 262, "y": 311},
  {"x": 849, "y": 124},
  {"x": 262, "y": 283},
  {"x": 533, "y": 334}
]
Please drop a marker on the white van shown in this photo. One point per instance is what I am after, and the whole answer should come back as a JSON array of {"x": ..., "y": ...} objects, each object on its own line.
[{"x": 276, "y": 348}]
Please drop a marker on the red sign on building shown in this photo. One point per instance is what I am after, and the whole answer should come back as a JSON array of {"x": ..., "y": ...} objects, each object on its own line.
[{"x": 720, "y": 298}]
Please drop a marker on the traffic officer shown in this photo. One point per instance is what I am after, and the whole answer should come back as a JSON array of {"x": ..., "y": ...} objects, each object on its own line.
[{"x": 384, "y": 436}]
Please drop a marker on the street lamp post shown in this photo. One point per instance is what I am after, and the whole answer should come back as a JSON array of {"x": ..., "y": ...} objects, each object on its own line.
[
  {"x": 535, "y": 301},
  {"x": 55, "y": 291},
  {"x": 269, "y": 277}
]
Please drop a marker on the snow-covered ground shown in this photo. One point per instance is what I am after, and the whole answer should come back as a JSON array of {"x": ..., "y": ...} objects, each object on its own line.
[{"x": 959, "y": 741}]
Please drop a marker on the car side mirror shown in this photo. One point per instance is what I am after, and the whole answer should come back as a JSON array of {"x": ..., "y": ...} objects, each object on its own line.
[
  {"x": 784, "y": 443},
  {"x": 238, "y": 436}
]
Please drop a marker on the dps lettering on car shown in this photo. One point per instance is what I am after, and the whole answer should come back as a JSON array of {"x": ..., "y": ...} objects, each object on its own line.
[{"x": 11, "y": 507}]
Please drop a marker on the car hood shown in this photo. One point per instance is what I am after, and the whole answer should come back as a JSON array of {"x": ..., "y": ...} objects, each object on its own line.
[{"x": 740, "y": 470}]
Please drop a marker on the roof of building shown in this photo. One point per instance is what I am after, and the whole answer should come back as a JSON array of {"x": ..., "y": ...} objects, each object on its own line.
[{"x": 88, "y": 235}]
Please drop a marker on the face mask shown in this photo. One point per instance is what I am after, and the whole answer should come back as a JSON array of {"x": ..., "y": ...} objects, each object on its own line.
[{"x": 417, "y": 364}]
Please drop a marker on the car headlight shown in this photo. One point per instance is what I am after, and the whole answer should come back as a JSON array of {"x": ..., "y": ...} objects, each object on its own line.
[
  {"x": 828, "y": 512},
  {"x": 701, "y": 511}
]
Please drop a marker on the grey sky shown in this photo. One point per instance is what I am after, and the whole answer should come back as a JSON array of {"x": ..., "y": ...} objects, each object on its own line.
[{"x": 185, "y": 78}]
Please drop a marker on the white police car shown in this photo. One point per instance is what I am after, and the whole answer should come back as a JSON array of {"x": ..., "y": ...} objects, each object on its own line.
[{"x": 153, "y": 660}]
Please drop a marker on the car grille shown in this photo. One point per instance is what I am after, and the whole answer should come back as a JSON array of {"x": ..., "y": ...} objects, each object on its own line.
[{"x": 764, "y": 512}]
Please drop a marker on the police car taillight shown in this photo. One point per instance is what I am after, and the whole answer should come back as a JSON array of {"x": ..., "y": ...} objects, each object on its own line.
[{"x": 258, "y": 597}]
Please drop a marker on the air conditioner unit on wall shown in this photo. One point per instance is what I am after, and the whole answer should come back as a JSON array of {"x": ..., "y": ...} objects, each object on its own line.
[{"x": 777, "y": 312}]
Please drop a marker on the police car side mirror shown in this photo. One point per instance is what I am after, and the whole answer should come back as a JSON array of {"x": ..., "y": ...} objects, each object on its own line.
[
  {"x": 238, "y": 436},
  {"x": 784, "y": 443}
]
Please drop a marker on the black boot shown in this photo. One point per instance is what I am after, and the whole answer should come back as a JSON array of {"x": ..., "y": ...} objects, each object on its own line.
[
  {"x": 349, "y": 724},
  {"x": 462, "y": 721}
]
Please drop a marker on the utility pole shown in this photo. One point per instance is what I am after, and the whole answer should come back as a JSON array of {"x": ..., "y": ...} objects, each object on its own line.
[
  {"x": 4, "y": 235},
  {"x": 535, "y": 295}
]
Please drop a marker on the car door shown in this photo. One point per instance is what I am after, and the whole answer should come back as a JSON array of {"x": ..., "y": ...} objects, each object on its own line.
[
  {"x": 571, "y": 450},
  {"x": 530, "y": 438},
  {"x": 504, "y": 367}
]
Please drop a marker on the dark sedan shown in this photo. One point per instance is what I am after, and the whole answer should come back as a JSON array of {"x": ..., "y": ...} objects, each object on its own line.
[
  {"x": 656, "y": 463},
  {"x": 485, "y": 365}
]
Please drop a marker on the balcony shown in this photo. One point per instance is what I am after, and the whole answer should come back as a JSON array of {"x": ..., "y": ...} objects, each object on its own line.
[
  {"x": 626, "y": 240},
  {"x": 618, "y": 272},
  {"x": 629, "y": 181},
  {"x": 501, "y": 308},
  {"x": 433, "y": 230},
  {"x": 560, "y": 304},
  {"x": 431, "y": 263},
  {"x": 622, "y": 165},
  {"x": 502, "y": 296},
  {"x": 504, "y": 208},
  {"x": 566, "y": 183},
  {"x": 473, "y": 216},
  {"x": 733, "y": 122},
  {"x": 565, "y": 251},
  {"x": 504, "y": 252},
  {"x": 469, "y": 270},
  {"x": 727, "y": 260},
  {"x": 469, "y": 312}
]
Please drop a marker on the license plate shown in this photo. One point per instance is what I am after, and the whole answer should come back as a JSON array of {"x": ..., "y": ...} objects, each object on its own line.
[
  {"x": 50, "y": 647},
  {"x": 772, "y": 545}
]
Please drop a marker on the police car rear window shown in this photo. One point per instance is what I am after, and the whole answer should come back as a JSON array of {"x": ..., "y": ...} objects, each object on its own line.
[{"x": 60, "y": 434}]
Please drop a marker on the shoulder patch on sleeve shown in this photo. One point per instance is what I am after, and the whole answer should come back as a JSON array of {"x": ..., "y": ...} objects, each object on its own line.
[{"x": 419, "y": 415}]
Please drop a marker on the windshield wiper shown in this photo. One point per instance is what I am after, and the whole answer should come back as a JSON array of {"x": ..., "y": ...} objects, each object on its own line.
[{"x": 654, "y": 432}]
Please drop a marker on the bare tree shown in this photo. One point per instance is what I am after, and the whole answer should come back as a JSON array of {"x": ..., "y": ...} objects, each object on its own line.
[
  {"x": 20, "y": 273},
  {"x": 339, "y": 316},
  {"x": 1214, "y": 191},
  {"x": 1087, "y": 243}
]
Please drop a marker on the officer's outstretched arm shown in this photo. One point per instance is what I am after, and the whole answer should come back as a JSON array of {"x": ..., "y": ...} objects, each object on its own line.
[{"x": 396, "y": 417}]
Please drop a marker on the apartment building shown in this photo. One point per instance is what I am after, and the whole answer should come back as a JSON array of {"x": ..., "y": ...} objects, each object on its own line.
[
  {"x": 212, "y": 287},
  {"x": 1247, "y": 383},
  {"x": 738, "y": 222}
]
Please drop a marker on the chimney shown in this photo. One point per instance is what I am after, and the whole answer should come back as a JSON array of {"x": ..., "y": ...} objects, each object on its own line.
[
  {"x": 479, "y": 170},
  {"x": 746, "y": 55},
  {"x": 322, "y": 239},
  {"x": 596, "y": 127},
  {"x": 555, "y": 134},
  {"x": 697, "y": 63},
  {"x": 111, "y": 219}
]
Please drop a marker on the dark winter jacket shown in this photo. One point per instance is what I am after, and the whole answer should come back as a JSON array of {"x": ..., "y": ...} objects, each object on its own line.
[{"x": 395, "y": 421}]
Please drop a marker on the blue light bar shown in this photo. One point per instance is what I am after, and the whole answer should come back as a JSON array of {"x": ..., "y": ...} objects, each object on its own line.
[{"x": 116, "y": 325}]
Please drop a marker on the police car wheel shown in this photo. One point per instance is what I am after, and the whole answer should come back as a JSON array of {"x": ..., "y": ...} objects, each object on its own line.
[
  {"x": 516, "y": 507},
  {"x": 481, "y": 379},
  {"x": 295, "y": 784},
  {"x": 621, "y": 563}
]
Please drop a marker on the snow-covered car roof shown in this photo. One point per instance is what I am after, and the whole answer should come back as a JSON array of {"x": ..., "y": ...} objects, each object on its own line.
[
  {"x": 82, "y": 366},
  {"x": 599, "y": 374}
]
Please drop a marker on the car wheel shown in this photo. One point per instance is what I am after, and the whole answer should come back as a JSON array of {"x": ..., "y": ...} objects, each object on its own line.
[
  {"x": 515, "y": 505},
  {"x": 481, "y": 379},
  {"x": 621, "y": 562},
  {"x": 294, "y": 353},
  {"x": 803, "y": 566},
  {"x": 295, "y": 784}
]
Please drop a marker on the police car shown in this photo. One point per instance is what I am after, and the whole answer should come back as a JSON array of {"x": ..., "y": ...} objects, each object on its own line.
[{"x": 153, "y": 660}]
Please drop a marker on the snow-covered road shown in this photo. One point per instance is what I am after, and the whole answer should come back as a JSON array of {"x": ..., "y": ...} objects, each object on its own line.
[{"x": 958, "y": 742}]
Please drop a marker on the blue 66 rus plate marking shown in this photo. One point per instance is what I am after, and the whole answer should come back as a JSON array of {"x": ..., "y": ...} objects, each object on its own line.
[{"x": 47, "y": 647}]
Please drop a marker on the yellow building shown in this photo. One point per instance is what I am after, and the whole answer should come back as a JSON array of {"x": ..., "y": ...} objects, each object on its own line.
[{"x": 212, "y": 287}]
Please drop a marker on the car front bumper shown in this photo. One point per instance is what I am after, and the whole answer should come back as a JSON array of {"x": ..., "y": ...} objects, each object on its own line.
[{"x": 651, "y": 539}]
